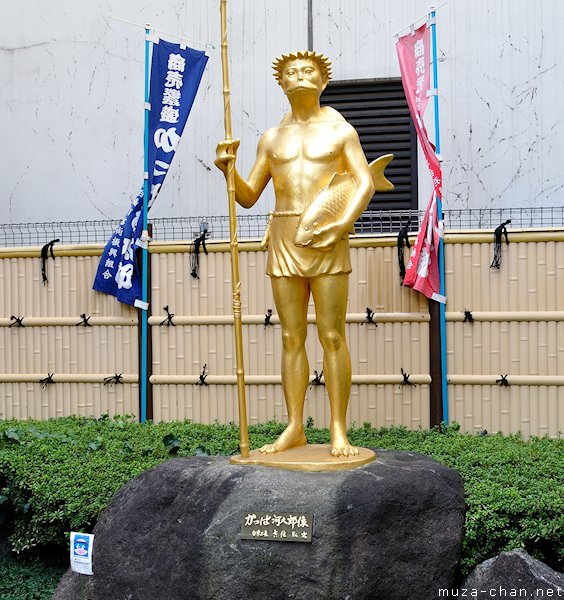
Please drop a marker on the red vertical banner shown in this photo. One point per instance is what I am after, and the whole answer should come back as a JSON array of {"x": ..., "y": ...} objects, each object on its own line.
[{"x": 414, "y": 55}]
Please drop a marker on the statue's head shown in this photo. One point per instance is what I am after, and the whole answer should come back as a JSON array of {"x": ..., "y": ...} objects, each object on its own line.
[{"x": 320, "y": 60}]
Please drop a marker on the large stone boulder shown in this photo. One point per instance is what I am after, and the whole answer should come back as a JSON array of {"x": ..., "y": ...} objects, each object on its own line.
[
  {"x": 513, "y": 574},
  {"x": 389, "y": 530}
]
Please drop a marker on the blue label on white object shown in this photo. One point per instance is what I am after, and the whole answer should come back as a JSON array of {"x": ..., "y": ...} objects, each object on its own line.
[{"x": 81, "y": 547}]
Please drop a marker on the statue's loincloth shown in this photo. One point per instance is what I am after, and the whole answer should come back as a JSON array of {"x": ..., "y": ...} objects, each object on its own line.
[{"x": 285, "y": 259}]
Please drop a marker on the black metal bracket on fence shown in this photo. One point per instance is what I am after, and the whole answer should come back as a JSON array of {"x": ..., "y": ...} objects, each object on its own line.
[
  {"x": 200, "y": 241},
  {"x": 267, "y": 317},
  {"x": 49, "y": 379},
  {"x": 117, "y": 378},
  {"x": 503, "y": 381},
  {"x": 316, "y": 380},
  {"x": 406, "y": 377},
  {"x": 84, "y": 321},
  {"x": 203, "y": 375},
  {"x": 403, "y": 240},
  {"x": 468, "y": 316},
  {"x": 168, "y": 321},
  {"x": 369, "y": 317},
  {"x": 18, "y": 321},
  {"x": 45, "y": 251},
  {"x": 498, "y": 235}
]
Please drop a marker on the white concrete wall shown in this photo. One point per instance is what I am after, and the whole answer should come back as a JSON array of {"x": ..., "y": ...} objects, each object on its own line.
[
  {"x": 71, "y": 114},
  {"x": 501, "y": 83}
]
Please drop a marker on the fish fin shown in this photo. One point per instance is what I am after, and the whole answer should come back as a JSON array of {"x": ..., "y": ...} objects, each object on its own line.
[
  {"x": 337, "y": 178},
  {"x": 381, "y": 183}
]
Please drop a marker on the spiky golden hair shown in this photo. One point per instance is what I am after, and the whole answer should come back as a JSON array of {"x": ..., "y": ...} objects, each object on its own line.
[{"x": 322, "y": 61}]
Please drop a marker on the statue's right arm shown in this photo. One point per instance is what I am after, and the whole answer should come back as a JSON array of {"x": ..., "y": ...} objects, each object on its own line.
[{"x": 246, "y": 192}]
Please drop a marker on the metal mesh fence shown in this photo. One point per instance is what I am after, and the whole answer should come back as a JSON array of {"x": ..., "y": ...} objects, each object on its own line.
[
  {"x": 188, "y": 228},
  {"x": 253, "y": 226},
  {"x": 70, "y": 232},
  {"x": 490, "y": 218}
]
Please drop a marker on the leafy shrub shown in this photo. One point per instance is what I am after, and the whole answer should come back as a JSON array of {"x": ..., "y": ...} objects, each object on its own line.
[
  {"x": 59, "y": 475},
  {"x": 25, "y": 579}
]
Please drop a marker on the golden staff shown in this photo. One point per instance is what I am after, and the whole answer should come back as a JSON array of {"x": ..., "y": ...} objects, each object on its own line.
[{"x": 234, "y": 244}]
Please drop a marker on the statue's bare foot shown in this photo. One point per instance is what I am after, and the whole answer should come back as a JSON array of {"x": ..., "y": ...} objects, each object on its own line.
[
  {"x": 292, "y": 437},
  {"x": 340, "y": 445}
]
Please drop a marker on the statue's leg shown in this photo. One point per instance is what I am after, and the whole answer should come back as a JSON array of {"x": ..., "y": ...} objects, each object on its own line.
[
  {"x": 330, "y": 293},
  {"x": 291, "y": 297}
]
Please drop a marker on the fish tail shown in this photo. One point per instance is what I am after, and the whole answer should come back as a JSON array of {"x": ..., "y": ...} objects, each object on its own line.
[{"x": 377, "y": 167}]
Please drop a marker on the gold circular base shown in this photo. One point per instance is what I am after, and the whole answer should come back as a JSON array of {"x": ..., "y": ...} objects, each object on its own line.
[{"x": 310, "y": 458}]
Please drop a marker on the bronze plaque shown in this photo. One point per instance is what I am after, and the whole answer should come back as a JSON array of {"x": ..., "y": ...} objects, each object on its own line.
[{"x": 277, "y": 527}]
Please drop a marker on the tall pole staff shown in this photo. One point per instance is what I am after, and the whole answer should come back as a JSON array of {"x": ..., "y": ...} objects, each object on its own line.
[
  {"x": 144, "y": 306},
  {"x": 442, "y": 307},
  {"x": 431, "y": 21},
  {"x": 234, "y": 244}
]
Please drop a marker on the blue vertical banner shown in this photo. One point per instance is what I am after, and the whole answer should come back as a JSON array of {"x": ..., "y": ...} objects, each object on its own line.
[{"x": 176, "y": 72}]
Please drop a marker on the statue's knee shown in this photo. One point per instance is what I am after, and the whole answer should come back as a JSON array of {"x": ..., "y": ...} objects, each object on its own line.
[
  {"x": 292, "y": 341},
  {"x": 331, "y": 340}
]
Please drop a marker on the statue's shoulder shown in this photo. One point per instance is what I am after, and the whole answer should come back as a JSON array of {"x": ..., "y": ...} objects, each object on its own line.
[
  {"x": 270, "y": 134},
  {"x": 330, "y": 114},
  {"x": 285, "y": 119},
  {"x": 339, "y": 124}
]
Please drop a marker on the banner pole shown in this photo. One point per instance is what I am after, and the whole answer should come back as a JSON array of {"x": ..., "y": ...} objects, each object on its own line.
[
  {"x": 234, "y": 244},
  {"x": 442, "y": 314},
  {"x": 145, "y": 235}
]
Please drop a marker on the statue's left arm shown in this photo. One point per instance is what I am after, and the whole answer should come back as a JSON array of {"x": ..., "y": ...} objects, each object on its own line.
[{"x": 357, "y": 165}]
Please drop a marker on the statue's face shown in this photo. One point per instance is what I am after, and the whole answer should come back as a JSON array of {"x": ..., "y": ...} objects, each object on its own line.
[{"x": 302, "y": 74}]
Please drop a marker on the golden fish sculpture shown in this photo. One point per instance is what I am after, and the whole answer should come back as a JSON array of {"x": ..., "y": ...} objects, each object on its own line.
[{"x": 329, "y": 206}]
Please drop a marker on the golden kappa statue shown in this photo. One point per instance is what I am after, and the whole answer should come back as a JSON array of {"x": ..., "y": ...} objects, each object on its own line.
[{"x": 322, "y": 184}]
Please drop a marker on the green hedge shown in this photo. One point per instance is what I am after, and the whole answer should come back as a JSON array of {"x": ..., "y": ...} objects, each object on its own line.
[
  {"x": 28, "y": 580},
  {"x": 59, "y": 475}
]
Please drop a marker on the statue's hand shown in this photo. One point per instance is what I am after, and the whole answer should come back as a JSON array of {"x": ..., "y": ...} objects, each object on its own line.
[
  {"x": 328, "y": 236},
  {"x": 226, "y": 151}
]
